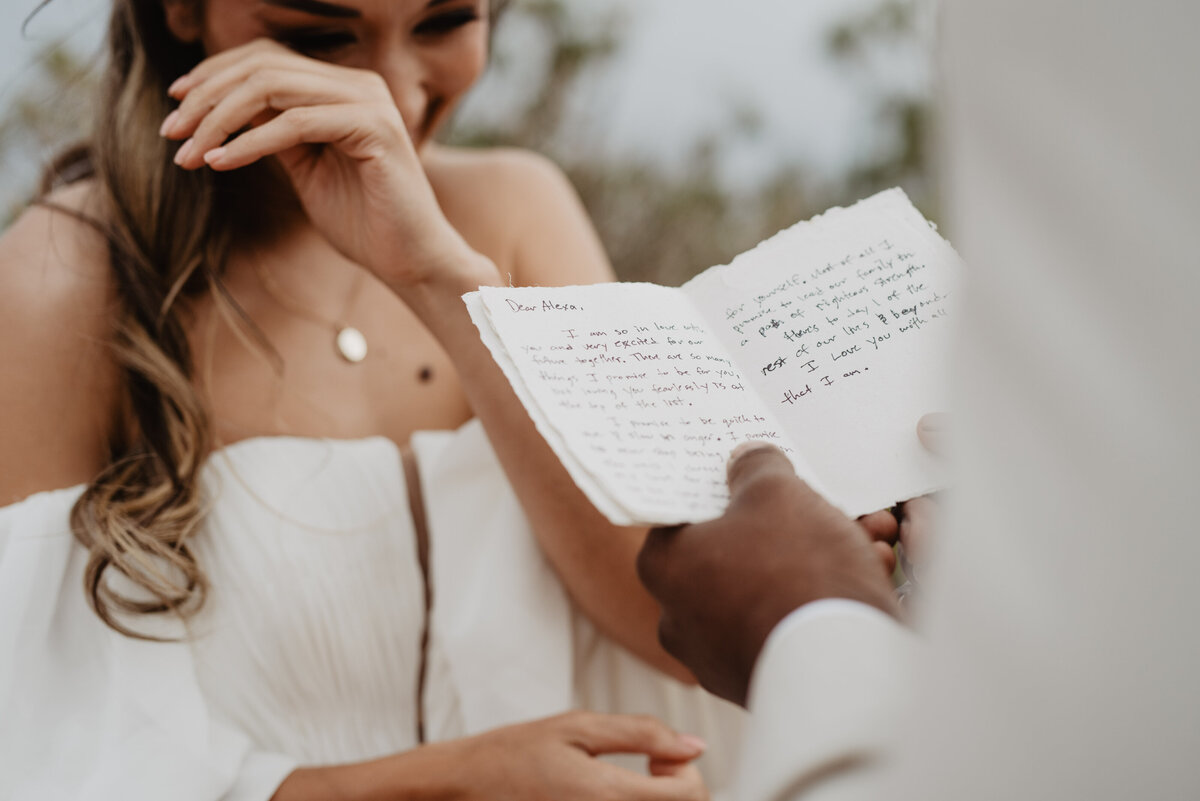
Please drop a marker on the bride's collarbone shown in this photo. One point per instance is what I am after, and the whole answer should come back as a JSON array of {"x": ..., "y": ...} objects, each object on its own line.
[{"x": 288, "y": 376}]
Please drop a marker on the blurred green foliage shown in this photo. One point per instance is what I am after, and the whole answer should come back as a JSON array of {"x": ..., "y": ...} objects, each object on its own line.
[
  {"x": 659, "y": 222},
  {"x": 903, "y": 117},
  {"x": 665, "y": 224}
]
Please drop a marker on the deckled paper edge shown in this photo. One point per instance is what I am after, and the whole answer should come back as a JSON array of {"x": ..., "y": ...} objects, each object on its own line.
[
  {"x": 618, "y": 514},
  {"x": 894, "y": 199},
  {"x": 604, "y": 503}
]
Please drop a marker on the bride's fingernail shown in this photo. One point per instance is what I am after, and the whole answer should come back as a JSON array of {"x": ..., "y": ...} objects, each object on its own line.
[
  {"x": 183, "y": 152},
  {"x": 168, "y": 123},
  {"x": 694, "y": 742},
  {"x": 213, "y": 156},
  {"x": 177, "y": 86}
]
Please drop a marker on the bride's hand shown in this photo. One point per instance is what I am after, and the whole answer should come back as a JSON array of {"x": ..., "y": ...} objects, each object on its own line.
[
  {"x": 339, "y": 136},
  {"x": 553, "y": 759}
]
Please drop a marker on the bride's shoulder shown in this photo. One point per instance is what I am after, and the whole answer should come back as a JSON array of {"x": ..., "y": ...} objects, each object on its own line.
[
  {"x": 56, "y": 288},
  {"x": 55, "y": 250},
  {"x": 520, "y": 208},
  {"x": 508, "y": 170},
  {"x": 56, "y": 303}
]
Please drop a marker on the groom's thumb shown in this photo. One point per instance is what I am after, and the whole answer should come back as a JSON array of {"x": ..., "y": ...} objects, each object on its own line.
[{"x": 752, "y": 463}]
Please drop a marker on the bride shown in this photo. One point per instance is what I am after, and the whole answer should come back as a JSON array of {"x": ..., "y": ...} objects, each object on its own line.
[{"x": 224, "y": 574}]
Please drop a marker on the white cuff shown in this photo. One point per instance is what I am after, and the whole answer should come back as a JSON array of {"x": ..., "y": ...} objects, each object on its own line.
[
  {"x": 826, "y": 607},
  {"x": 828, "y": 687}
]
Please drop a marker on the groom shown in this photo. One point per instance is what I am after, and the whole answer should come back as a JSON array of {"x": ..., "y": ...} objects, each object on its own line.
[{"x": 1058, "y": 648}]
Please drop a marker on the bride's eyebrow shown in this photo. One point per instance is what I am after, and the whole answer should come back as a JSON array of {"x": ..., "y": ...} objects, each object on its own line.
[{"x": 318, "y": 8}]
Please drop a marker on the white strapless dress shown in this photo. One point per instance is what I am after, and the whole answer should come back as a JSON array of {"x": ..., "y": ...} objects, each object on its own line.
[{"x": 309, "y": 648}]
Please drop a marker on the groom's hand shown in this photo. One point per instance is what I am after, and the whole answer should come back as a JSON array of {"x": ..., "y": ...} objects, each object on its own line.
[{"x": 725, "y": 584}]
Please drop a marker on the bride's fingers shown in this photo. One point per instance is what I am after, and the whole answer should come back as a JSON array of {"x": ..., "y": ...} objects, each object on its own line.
[
  {"x": 682, "y": 783},
  {"x": 245, "y": 104},
  {"x": 632, "y": 734},
  {"x": 263, "y": 82},
  {"x": 259, "y": 54},
  {"x": 267, "y": 73},
  {"x": 301, "y": 125}
]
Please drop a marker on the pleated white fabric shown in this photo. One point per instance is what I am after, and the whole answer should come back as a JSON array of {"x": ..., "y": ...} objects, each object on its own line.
[
  {"x": 508, "y": 645},
  {"x": 311, "y": 644},
  {"x": 308, "y": 650}
]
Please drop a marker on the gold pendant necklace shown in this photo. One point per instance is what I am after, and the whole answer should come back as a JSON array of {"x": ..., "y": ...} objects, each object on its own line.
[
  {"x": 348, "y": 342},
  {"x": 351, "y": 344}
]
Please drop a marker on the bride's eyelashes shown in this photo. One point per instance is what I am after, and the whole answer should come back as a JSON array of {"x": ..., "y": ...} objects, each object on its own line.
[
  {"x": 447, "y": 22},
  {"x": 323, "y": 42},
  {"x": 315, "y": 41}
]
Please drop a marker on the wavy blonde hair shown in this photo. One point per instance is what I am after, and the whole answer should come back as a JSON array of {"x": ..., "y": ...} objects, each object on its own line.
[
  {"x": 169, "y": 234},
  {"x": 168, "y": 240}
]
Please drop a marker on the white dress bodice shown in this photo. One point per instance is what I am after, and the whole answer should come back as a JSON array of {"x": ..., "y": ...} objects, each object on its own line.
[
  {"x": 309, "y": 646},
  {"x": 317, "y": 606}
]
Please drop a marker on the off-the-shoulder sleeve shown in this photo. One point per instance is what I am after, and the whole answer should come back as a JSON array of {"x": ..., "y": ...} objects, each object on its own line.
[{"x": 86, "y": 713}]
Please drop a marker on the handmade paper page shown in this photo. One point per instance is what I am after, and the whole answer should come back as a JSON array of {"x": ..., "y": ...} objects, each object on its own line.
[
  {"x": 638, "y": 400},
  {"x": 843, "y": 325},
  {"x": 596, "y": 492}
]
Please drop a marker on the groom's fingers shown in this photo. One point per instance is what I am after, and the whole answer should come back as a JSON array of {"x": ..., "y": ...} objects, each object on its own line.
[
  {"x": 880, "y": 526},
  {"x": 754, "y": 468},
  {"x": 654, "y": 560},
  {"x": 886, "y": 554},
  {"x": 933, "y": 430}
]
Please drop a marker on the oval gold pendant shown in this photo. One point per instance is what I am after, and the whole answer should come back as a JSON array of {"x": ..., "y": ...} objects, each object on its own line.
[{"x": 351, "y": 344}]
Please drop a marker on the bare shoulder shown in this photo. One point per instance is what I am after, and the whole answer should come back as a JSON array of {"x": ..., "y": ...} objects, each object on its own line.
[
  {"x": 50, "y": 253},
  {"x": 56, "y": 304},
  {"x": 508, "y": 173},
  {"x": 520, "y": 209}
]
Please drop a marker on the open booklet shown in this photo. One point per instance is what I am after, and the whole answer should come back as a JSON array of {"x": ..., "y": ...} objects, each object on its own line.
[{"x": 828, "y": 339}]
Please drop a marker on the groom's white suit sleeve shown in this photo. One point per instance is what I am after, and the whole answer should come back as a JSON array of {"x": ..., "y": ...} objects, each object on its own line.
[
  {"x": 827, "y": 693},
  {"x": 1060, "y": 653}
]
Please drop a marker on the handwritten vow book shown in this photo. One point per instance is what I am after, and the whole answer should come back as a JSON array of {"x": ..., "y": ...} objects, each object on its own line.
[{"x": 828, "y": 340}]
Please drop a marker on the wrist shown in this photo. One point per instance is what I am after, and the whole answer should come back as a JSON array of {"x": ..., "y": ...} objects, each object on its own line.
[
  {"x": 443, "y": 260},
  {"x": 427, "y": 773},
  {"x": 436, "y": 297}
]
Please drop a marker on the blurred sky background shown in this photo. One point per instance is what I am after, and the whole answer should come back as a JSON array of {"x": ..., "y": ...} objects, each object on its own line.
[{"x": 699, "y": 110}]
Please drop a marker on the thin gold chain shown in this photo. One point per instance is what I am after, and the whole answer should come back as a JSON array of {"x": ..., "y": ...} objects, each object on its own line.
[{"x": 280, "y": 296}]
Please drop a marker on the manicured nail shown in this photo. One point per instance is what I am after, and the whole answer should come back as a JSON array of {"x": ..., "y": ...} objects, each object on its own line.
[
  {"x": 177, "y": 87},
  {"x": 693, "y": 742},
  {"x": 183, "y": 152},
  {"x": 213, "y": 156},
  {"x": 168, "y": 123}
]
